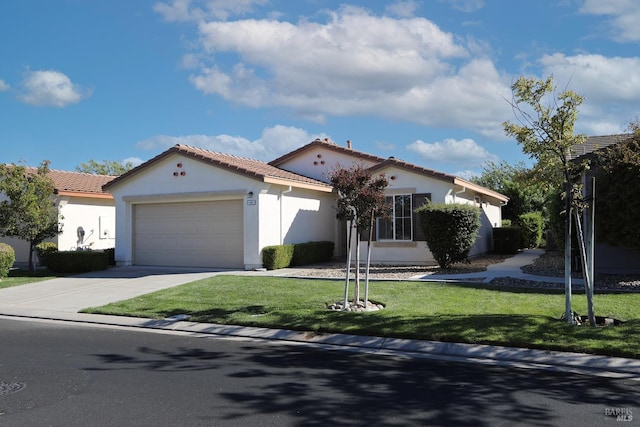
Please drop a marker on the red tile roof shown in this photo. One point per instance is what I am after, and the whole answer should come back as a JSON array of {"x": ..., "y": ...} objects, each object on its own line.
[
  {"x": 253, "y": 168},
  {"x": 77, "y": 183}
]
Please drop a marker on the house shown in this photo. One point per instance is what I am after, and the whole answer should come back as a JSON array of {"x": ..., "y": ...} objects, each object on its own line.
[
  {"x": 88, "y": 214},
  {"x": 198, "y": 208},
  {"x": 608, "y": 259}
]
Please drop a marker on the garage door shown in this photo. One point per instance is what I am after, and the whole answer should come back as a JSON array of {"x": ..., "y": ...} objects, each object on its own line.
[{"x": 194, "y": 234}]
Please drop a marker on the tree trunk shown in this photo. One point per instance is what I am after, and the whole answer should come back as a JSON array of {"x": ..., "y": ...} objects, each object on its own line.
[
  {"x": 356, "y": 287},
  {"x": 588, "y": 285},
  {"x": 366, "y": 273},
  {"x": 346, "y": 281},
  {"x": 32, "y": 261},
  {"x": 568, "y": 312}
]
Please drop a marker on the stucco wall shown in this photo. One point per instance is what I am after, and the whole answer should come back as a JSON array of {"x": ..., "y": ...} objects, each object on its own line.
[
  {"x": 95, "y": 216},
  {"x": 318, "y": 163}
]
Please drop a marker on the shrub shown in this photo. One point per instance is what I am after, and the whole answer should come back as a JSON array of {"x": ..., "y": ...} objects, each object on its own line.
[
  {"x": 111, "y": 253},
  {"x": 506, "y": 223},
  {"x": 312, "y": 252},
  {"x": 281, "y": 256},
  {"x": 276, "y": 257},
  {"x": 531, "y": 224},
  {"x": 44, "y": 249},
  {"x": 7, "y": 258},
  {"x": 77, "y": 261},
  {"x": 507, "y": 240},
  {"x": 450, "y": 230}
]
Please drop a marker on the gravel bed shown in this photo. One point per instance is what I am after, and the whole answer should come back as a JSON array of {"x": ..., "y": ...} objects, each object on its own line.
[{"x": 549, "y": 264}]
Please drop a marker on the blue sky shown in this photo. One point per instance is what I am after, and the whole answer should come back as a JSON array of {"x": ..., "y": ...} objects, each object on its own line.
[{"x": 424, "y": 81}]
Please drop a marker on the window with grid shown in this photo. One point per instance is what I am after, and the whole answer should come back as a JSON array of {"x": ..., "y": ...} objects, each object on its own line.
[{"x": 398, "y": 225}]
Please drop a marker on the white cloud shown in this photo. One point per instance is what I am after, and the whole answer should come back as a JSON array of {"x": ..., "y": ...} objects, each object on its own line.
[
  {"x": 190, "y": 10},
  {"x": 465, "y": 5},
  {"x": 355, "y": 63},
  {"x": 135, "y": 161},
  {"x": 404, "y": 9},
  {"x": 274, "y": 142},
  {"x": 465, "y": 152},
  {"x": 610, "y": 86},
  {"x": 625, "y": 15},
  {"x": 4, "y": 86},
  {"x": 50, "y": 88}
]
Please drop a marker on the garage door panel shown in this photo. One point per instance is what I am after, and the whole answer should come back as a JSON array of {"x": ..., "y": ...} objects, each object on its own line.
[{"x": 195, "y": 234}]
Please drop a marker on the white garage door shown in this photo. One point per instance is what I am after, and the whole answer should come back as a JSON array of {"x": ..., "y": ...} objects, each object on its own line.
[{"x": 194, "y": 234}]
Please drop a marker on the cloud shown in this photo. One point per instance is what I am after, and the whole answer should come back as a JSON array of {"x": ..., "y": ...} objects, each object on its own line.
[
  {"x": 465, "y": 5},
  {"x": 4, "y": 86},
  {"x": 625, "y": 15},
  {"x": 404, "y": 9},
  {"x": 465, "y": 152},
  {"x": 50, "y": 89},
  {"x": 353, "y": 63},
  {"x": 189, "y": 10},
  {"x": 610, "y": 86},
  {"x": 274, "y": 142}
]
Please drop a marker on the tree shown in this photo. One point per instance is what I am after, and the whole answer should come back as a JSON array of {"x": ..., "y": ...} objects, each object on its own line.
[
  {"x": 618, "y": 182},
  {"x": 106, "y": 167},
  {"x": 29, "y": 211},
  {"x": 546, "y": 132},
  {"x": 526, "y": 193},
  {"x": 360, "y": 201}
]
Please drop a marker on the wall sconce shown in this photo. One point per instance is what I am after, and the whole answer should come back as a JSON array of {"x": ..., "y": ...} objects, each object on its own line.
[{"x": 250, "y": 195}]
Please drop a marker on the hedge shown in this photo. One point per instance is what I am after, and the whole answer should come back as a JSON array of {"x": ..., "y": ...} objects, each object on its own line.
[
  {"x": 7, "y": 258},
  {"x": 532, "y": 225},
  {"x": 77, "y": 261},
  {"x": 507, "y": 240},
  {"x": 282, "y": 256}
]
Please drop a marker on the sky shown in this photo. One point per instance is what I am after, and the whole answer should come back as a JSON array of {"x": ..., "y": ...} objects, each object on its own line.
[{"x": 428, "y": 82}]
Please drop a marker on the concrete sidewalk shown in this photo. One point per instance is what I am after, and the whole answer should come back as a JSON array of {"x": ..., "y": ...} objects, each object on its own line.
[{"x": 60, "y": 300}]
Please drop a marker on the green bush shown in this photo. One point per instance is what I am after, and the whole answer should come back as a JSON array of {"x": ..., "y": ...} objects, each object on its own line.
[
  {"x": 276, "y": 257},
  {"x": 506, "y": 223},
  {"x": 281, "y": 256},
  {"x": 507, "y": 240},
  {"x": 111, "y": 253},
  {"x": 44, "y": 249},
  {"x": 77, "y": 261},
  {"x": 7, "y": 258},
  {"x": 312, "y": 252},
  {"x": 532, "y": 228},
  {"x": 450, "y": 230}
]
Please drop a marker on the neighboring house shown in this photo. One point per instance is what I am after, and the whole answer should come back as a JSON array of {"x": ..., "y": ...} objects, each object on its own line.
[
  {"x": 197, "y": 208},
  {"x": 607, "y": 258},
  {"x": 88, "y": 214}
]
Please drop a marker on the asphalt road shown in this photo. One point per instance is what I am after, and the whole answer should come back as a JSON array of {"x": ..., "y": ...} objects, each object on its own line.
[{"x": 54, "y": 374}]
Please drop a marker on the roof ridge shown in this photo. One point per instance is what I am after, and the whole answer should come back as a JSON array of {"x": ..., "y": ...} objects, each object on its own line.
[{"x": 221, "y": 153}]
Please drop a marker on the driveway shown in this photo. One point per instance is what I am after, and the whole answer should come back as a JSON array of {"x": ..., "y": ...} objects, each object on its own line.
[{"x": 74, "y": 293}]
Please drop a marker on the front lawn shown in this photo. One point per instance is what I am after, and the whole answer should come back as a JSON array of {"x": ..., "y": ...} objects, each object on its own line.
[
  {"x": 429, "y": 311},
  {"x": 19, "y": 277}
]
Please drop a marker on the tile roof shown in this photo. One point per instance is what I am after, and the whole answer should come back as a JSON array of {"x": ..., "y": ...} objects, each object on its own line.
[
  {"x": 326, "y": 143},
  {"x": 595, "y": 143},
  {"x": 77, "y": 183},
  {"x": 253, "y": 168}
]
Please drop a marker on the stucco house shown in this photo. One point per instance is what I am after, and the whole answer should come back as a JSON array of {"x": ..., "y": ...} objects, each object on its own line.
[
  {"x": 197, "y": 208},
  {"x": 88, "y": 214}
]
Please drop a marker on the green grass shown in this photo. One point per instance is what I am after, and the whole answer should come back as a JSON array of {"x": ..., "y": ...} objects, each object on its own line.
[
  {"x": 19, "y": 277},
  {"x": 430, "y": 311}
]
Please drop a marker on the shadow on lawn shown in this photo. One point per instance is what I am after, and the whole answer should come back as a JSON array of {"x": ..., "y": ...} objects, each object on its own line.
[{"x": 321, "y": 387}]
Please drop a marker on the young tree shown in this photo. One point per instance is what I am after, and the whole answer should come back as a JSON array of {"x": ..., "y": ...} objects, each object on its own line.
[
  {"x": 28, "y": 210},
  {"x": 546, "y": 132},
  {"x": 360, "y": 201},
  {"x": 106, "y": 167}
]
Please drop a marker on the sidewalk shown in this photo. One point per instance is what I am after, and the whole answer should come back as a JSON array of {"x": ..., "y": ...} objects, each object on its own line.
[{"x": 60, "y": 300}]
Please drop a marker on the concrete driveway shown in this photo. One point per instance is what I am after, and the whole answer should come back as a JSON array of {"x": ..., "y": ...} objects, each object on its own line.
[{"x": 74, "y": 293}]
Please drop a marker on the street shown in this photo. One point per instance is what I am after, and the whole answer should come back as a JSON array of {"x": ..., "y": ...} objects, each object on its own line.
[{"x": 65, "y": 374}]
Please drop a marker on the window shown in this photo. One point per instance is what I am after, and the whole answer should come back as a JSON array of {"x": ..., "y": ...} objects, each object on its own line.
[{"x": 398, "y": 225}]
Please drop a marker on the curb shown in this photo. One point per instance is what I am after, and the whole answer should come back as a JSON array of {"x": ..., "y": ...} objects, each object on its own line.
[{"x": 586, "y": 364}]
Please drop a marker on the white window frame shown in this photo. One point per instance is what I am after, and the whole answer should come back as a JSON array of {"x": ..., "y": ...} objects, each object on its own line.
[{"x": 393, "y": 219}]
